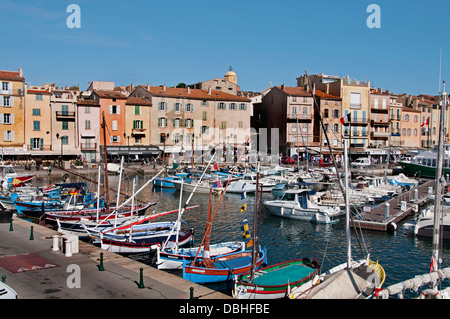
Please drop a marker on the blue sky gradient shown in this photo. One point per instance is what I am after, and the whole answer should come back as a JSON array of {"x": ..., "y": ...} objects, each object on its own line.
[{"x": 168, "y": 42}]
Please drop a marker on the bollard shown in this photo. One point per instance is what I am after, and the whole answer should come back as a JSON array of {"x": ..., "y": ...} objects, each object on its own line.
[
  {"x": 387, "y": 209},
  {"x": 191, "y": 293},
  {"x": 68, "y": 246},
  {"x": 141, "y": 281},
  {"x": 31, "y": 233},
  {"x": 3, "y": 278},
  {"x": 430, "y": 190},
  {"x": 10, "y": 225},
  {"x": 403, "y": 205},
  {"x": 55, "y": 246},
  {"x": 416, "y": 194},
  {"x": 100, "y": 267}
]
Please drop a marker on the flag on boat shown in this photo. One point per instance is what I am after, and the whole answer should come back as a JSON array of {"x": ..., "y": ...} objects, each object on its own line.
[
  {"x": 425, "y": 123},
  {"x": 243, "y": 208},
  {"x": 250, "y": 243},
  {"x": 244, "y": 195},
  {"x": 346, "y": 119},
  {"x": 216, "y": 167},
  {"x": 217, "y": 184},
  {"x": 244, "y": 228},
  {"x": 433, "y": 265}
]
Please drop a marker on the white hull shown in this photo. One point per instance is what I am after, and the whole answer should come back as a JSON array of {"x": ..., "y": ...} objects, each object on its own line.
[
  {"x": 287, "y": 210},
  {"x": 201, "y": 188}
]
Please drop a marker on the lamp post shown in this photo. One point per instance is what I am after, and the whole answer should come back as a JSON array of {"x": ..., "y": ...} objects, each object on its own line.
[
  {"x": 61, "y": 139},
  {"x": 128, "y": 156},
  {"x": 164, "y": 136}
]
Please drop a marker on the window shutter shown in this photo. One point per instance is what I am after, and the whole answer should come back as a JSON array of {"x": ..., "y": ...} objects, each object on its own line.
[
  {"x": 12, "y": 135},
  {"x": 2, "y": 118},
  {"x": 11, "y": 101},
  {"x": 134, "y": 125},
  {"x": 110, "y": 109},
  {"x": 142, "y": 124},
  {"x": 31, "y": 143},
  {"x": 118, "y": 109},
  {"x": 11, "y": 119},
  {"x": 5, "y": 135},
  {"x": 10, "y": 87}
]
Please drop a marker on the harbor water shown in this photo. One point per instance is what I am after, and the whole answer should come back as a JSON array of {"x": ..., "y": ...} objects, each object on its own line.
[{"x": 401, "y": 254}]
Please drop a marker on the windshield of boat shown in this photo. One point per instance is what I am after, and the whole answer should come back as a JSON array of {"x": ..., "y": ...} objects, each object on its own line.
[{"x": 288, "y": 196}]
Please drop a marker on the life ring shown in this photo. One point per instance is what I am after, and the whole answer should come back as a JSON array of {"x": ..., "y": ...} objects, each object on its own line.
[
  {"x": 391, "y": 227},
  {"x": 430, "y": 294}
]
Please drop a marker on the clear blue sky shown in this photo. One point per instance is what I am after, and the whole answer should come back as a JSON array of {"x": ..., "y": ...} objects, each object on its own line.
[{"x": 167, "y": 42}]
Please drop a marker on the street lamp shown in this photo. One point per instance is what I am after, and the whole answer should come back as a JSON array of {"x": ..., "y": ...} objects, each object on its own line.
[
  {"x": 164, "y": 136},
  {"x": 61, "y": 139},
  {"x": 128, "y": 137}
]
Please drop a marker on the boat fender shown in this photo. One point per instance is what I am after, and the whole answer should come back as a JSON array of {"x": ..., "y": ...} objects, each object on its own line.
[
  {"x": 392, "y": 227},
  {"x": 415, "y": 208},
  {"x": 429, "y": 294}
]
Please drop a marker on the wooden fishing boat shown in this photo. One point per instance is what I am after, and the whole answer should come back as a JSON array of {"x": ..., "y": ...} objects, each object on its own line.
[
  {"x": 222, "y": 268},
  {"x": 172, "y": 258},
  {"x": 275, "y": 281},
  {"x": 93, "y": 213}
]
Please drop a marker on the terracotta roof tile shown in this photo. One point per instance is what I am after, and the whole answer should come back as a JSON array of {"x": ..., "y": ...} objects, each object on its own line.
[
  {"x": 11, "y": 75},
  {"x": 39, "y": 91},
  {"x": 195, "y": 94},
  {"x": 110, "y": 94},
  {"x": 87, "y": 102},
  {"x": 132, "y": 100}
]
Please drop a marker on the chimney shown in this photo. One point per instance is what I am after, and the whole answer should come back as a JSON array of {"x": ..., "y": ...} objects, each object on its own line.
[
  {"x": 164, "y": 87},
  {"x": 209, "y": 91},
  {"x": 148, "y": 87},
  {"x": 282, "y": 87},
  {"x": 20, "y": 72},
  {"x": 188, "y": 90},
  {"x": 379, "y": 91}
]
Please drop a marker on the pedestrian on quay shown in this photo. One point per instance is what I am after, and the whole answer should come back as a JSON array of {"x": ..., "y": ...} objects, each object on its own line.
[{"x": 49, "y": 170}]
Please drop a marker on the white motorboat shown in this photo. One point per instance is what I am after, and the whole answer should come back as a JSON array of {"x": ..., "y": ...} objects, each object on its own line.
[
  {"x": 201, "y": 187},
  {"x": 296, "y": 204},
  {"x": 241, "y": 186}
]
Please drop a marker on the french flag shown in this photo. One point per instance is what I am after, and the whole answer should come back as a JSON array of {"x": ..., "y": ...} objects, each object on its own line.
[{"x": 346, "y": 119}]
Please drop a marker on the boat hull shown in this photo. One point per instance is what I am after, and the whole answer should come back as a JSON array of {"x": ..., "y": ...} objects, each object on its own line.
[
  {"x": 421, "y": 170},
  {"x": 171, "y": 260},
  {"x": 276, "y": 281},
  {"x": 287, "y": 210},
  {"x": 144, "y": 244},
  {"x": 225, "y": 267}
]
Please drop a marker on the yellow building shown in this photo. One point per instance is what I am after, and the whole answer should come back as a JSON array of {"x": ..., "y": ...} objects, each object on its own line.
[
  {"x": 37, "y": 115},
  {"x": 231, "y": 76},
  {"x": 12, "y": 107}
]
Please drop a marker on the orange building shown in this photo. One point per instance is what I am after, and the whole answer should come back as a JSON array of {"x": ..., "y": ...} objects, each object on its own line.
[{"x": 112, "y": 108}]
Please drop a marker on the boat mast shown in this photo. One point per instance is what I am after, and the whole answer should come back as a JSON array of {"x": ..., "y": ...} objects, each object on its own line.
[
  {"x": 438, "y": 184},
  {"x": 252, "y": 273},
  {"x": 106, "y": 163},
  {"x": 347, "y": 207}
]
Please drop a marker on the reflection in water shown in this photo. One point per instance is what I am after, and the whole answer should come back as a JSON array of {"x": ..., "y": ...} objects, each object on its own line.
[{"x": 403, "y": 256}]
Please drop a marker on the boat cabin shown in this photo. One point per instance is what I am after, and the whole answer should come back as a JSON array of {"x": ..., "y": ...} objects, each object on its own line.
[{"x": 300, "y": 196}]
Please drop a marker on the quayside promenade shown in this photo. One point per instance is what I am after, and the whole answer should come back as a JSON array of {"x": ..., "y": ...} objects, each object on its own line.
[{"x": 34, "y": 271}]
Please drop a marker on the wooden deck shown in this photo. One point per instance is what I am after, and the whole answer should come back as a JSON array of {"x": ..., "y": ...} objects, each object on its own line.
[{"x": 378, "y": 219}]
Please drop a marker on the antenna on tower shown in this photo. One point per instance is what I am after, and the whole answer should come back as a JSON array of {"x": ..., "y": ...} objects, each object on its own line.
[{"x": 440, "y": 70}]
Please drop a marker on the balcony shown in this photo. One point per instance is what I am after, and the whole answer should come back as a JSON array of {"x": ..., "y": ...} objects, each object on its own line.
[
  {"x": 86, "y": 147},
  {"x": 138, "y": 131},
  {"x": 65, "y": 116},
  {"x": 378, "y": 121},
  {"x": 381, "y": 134}
]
